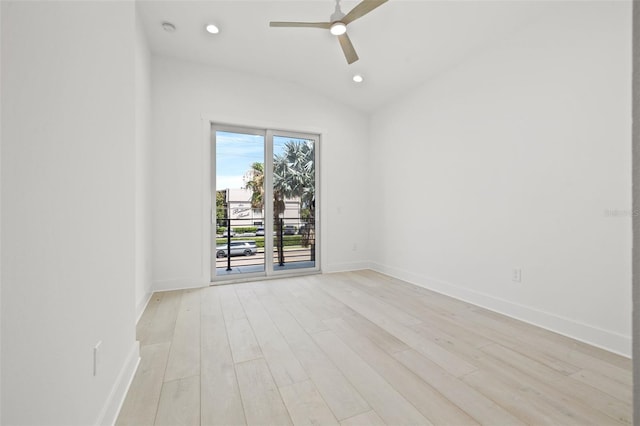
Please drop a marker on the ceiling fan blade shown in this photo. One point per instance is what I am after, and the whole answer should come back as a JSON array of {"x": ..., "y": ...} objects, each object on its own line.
[
  {"x": 347, "y": 48},
  {"x": 364, "y": 7},
  {"x": 323, "y": 25}
]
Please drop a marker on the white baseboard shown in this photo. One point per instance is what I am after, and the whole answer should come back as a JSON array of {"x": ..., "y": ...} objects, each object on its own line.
[
  {"x": 179, "y": 284},
  {"x": 112, "y": 406},
  {"x": 142, "y": 305},
  {"x": 346, "y": 267},
  {"x": 605, "y": 339}
]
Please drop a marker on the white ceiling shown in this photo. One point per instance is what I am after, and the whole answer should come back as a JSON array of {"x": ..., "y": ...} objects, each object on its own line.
[{"x": 401, "y": 44}]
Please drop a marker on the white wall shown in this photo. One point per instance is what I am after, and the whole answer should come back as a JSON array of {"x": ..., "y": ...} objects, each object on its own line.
[
  {"x": 182, "y": 93},
  {"x": 143, "y": 169},
  {"x": 511, "y": 160},
  {"x": 68, "y": 210}
]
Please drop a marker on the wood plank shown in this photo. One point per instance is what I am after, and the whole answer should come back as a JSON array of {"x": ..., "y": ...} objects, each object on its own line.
[
  {"x": 566, "y": 404},
  {"x": 414, "y": 305},
  {"x": 481, "y": 408},
  {"x": 370, "y": 418},
  {"x": 392, "y": 407},
  {"x": 179, "y": 403},
  {"x": 436, "y": 302},
  {"x": 555, "y": 351},
  {"x": 316, "y": 299},
  {"x": 425, "y": 398},
  {"x": 231, "y": 306},
  {"x": 305, "y": 404},
  {"x": 450, "y": 330},
  {"x": 146, "y": 319},
  {"x": 260, "y": 396},
  {"x": 341, "y": 397},
  {"x": 310, "y": 288},
  {"x": 184, "y": 356},
  {"x": 432, "y": 333},
  {"x": 221, "y": 403},
  {"x": 389, "y": 293},
  {"x": 605, "y": 384},
  {"x": 510, "y": 398},
  {"x": 372, "y": 304},
  {"x": 388, "y": 352},
  {"x": 616, "y": 409},
  {"x": 278, "y": 288},
  {"x": 244, "y": 346},
  {"x": 449, "y": 326},
  {"x": 141, "y": 404},
  {"x": 284, "y": 366},
  {"x": 566, "y": 343},
  {"x": 164, "y": 320},
  {"x": 449, "y": 361},
  {"x": 552, "y": 349},
  {"x": 318, "y": 302},
  {"x": 529, "y": 347},
  {"x": 520, "y": 400},
  {"x": 311, "y": 322},
  {"x": 387, "y": 341},
  {"x": 592, "y": 363}
]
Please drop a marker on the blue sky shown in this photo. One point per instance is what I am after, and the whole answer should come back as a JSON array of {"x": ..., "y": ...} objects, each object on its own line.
[{"x": 235, "y": 152}]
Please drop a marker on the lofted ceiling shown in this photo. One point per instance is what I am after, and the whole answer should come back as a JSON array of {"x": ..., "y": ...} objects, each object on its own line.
[{"x": 401, "y": 44}]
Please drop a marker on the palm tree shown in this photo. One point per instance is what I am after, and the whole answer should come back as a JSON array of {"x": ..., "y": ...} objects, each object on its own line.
[
  {"x": 254, "y": 181},
  {"x": 293, "y": 176}
]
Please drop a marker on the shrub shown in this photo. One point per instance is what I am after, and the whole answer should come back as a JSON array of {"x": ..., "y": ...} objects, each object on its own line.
[
  {"x": 246, "y": 229},
  {"x": 259, "y": 240},
  {"x": 291, "y": 240}
]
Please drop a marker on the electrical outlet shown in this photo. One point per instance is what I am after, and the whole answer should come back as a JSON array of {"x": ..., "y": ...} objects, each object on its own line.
[
  {"x": 516, "y": 275},
  {"x": 96, "y": 357}
]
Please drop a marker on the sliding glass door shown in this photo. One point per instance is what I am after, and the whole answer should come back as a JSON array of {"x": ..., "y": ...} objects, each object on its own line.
[
  {"x": 265, "y": 187},
  {"x": 239, "y": 193},
  {"x": 294, "y": 202}
]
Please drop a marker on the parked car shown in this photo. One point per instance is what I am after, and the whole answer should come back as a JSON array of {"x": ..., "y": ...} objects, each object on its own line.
[
  {"x": 260, "y": 232},
  {"x": 227, "y": 231},
  {"x": 289, "y": 230},
  {"x": 238, "y": 248}
]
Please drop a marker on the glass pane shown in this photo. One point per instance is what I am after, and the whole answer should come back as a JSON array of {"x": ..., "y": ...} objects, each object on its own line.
[
  {"x": 294, "y": 242},
  {"x": 239, "y": 242}
]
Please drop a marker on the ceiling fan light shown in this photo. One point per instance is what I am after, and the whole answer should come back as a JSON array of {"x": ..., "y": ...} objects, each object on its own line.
[
  {"x": 212, "y": 29},
  {"x": 338, "y": 28},
  {"x": 358, "y": 78}
]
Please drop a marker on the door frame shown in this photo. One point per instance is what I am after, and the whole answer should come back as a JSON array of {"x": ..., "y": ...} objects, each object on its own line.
[{"x": 268, "y": 132}]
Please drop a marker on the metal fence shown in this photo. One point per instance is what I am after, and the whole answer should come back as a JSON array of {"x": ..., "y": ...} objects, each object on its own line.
[{"x": 241, "y": 243}]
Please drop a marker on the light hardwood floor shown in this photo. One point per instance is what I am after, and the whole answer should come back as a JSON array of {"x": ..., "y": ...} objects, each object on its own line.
[{"x": 360, "y": 348}]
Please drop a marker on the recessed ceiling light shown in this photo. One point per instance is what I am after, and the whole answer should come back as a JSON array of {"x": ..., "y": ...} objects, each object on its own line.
[
  {"x": 338, "y": 28},
  {"x": 168, "y": 27},
  {"x": 212, "y": 29},
  {"x": 358, "y": 78}
]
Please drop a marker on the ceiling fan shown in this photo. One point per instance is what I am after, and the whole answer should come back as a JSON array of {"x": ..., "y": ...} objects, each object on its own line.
[{"x": 337, "y": 24}]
